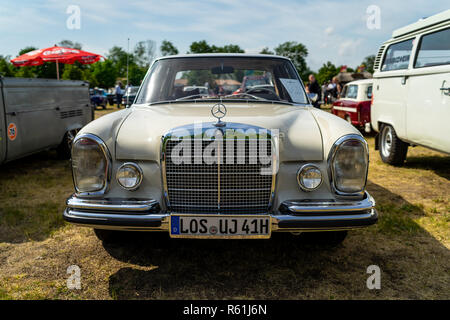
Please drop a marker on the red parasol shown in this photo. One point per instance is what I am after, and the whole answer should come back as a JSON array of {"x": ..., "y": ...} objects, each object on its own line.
[{"x": 55, "y": 54}]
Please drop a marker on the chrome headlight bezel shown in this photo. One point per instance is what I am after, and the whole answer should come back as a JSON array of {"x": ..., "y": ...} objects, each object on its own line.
[
  {"x": 331, "y": 172},
  {"x": 304, "y": 168},
  {"x": 139, "y": 171},
  {"x": 108, "y": 166}
]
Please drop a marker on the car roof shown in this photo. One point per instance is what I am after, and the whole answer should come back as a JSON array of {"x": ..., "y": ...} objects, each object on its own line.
[
  {"x": 362, "y": 81},
  {"x": 225, "y": 55}
]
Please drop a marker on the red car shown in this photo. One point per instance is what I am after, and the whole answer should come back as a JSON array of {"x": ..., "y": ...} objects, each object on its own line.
[{"x": 354, "y": 104}]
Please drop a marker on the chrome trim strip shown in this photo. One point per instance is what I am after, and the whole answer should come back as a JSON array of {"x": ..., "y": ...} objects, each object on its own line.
[
  {"x": 331, "y": 173},
  {"x": 111, "y": 205},
  {"x": 366, "y": 204},
  {"x": 108, "y": 169}
]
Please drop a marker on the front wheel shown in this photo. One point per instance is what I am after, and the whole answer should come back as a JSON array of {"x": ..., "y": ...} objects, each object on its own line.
[
  {"x": 65, "y": 148},
  {"x": 392, "y": 149}
]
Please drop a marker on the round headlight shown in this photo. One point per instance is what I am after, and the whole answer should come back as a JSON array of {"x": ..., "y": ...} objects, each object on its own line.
[
  {"x": 349, "y": 164},
  {"x": 129, "y": 176},
  {"x": 309, "y": 177}
]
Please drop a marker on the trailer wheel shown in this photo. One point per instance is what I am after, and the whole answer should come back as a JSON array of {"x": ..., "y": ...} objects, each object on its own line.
[
  {"x": 392, "y": 149},
  {"x": 65, "y": 148}
]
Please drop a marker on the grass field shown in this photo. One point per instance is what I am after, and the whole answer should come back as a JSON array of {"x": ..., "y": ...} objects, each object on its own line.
[{"x": 410, "y": 244}]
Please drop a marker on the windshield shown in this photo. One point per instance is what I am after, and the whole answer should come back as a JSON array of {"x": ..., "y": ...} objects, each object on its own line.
[{"x": 226, "y": 78}]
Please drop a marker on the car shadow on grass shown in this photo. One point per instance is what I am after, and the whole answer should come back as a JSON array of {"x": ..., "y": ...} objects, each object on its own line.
[
  {"x": 438, "y": 164},
  {"x": 284, "y": 267}
]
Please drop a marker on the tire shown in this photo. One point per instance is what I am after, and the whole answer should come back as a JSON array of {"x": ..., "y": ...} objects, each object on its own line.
[
  {"x": 325, "y": 238},
  {"x": 392, "y": 149},
  {"x": 65, "y": 148},
  {"x": 108, "y": 236}
]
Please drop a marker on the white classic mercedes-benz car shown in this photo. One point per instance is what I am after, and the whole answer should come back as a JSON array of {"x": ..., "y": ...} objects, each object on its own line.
[{"x": 223, "y": 159}]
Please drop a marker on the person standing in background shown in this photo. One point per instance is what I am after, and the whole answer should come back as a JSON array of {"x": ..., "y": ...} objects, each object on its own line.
[
  {"x": 119, "y": 94},
  {"x": 314, "y": 87}
]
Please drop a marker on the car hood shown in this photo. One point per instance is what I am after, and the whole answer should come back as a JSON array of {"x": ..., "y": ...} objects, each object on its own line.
[{"x": 140, "y": 134}]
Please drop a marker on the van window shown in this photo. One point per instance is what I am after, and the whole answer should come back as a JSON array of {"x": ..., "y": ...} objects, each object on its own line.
[
  {"x": 352, "y": 92},
  {"x": 369, "y": 92},
  {"x": 434, "y": 49},
  {"x": 397, "y": 56}
]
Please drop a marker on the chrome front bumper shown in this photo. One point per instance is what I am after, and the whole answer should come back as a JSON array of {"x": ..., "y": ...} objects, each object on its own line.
[{"x": 292, "y": 216}]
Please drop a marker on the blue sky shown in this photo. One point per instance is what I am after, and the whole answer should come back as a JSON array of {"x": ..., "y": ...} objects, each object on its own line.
[{"x": 333, "y": 31}]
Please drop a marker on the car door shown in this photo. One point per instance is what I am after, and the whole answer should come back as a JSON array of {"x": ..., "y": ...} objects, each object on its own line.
[
  {"x": 2, "y": 126},
  {"x": 349, "y": 103},
  {"x": 390, "y": 87},
  {"x": 428, "y": 104}
]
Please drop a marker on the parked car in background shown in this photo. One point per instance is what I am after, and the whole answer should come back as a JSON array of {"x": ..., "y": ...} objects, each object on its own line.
[
  {"x": 40, "y": 114},
  {"x": 221, "y": 166},
  {"x": 111, "y": 97},
  {"x": 411, "y": 95},
  {"x": 98, "y": 97},
  {"x": 129, "y": 96},
  {"x": 354, "y": 104}
]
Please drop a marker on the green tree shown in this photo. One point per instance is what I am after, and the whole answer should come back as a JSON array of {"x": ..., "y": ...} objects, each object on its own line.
[
  {"x": 200, "y": 47},
  {"x": 70, "y": 44},
  {"x": 203, "y": 47},
  {"x": 102, "y": 74},
  {"x": 6, "y": 68},
  {"x": 26, "y": 49},
  {"x": 167, "y": 48},
  {"x": 326, "y": 72},
  {"x": 72, "y": 72},
  {"x": 297, "y": 52},
  {"x": 144, "y": 53},
  {"x": 266, "y": 51}
]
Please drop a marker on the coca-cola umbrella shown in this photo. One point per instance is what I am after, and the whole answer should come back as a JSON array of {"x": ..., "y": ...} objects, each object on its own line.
[{"x": 55, "y": 54}]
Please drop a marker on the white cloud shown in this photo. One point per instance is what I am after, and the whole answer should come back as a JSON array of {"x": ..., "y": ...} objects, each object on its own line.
[{"x": 329, "y": 30}]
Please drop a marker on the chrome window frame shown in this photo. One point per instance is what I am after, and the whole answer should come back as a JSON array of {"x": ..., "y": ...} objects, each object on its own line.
[
  {"x": 331, "y": 173},
  {"x": 108, "y": 170}
]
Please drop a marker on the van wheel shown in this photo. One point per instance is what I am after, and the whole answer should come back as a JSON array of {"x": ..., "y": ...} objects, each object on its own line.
[
  {"x": 392, "y": 149},
  {"x": 65, "y": 148}
]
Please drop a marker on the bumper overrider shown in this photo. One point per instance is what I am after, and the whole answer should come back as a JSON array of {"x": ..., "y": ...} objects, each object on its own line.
[{"x": 291, "y": 216}]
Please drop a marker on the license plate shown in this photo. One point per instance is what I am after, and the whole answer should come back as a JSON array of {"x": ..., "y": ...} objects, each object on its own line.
[{"x": 219, "y": 226}]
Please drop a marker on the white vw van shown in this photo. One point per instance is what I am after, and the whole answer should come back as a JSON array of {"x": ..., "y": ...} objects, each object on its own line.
[{"x": 411, "y": 89}]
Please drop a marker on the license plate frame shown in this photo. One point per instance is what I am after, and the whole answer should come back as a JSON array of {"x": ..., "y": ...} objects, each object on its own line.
[{"x": 215, "y": 218}]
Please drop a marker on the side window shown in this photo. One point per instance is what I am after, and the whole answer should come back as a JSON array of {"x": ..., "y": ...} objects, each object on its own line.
[
  {"x": 352, "y": 92},
  {"x": 369, "y": 92},
  {"x": 344, "y": 92},
  {"x": 434, "y": 49},
  {"x": 397, "y": 56}
]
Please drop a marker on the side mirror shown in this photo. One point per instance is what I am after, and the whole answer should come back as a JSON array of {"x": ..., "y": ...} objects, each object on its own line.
[{"x": 313, "y": 97}]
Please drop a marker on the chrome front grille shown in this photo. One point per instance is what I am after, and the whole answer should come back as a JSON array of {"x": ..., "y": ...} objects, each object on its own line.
[{"x": 221, "y": 187}]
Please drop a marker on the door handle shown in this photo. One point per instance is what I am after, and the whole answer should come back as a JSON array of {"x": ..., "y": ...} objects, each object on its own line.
[
  {"x": 11, "y": 113},
  {"x": 444, "y": 89}
]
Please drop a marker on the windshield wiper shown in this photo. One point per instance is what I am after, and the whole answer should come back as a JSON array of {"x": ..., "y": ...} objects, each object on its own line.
[
  {"x": 191, "y": 96},
  {"x": 245, "y": 94}
]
